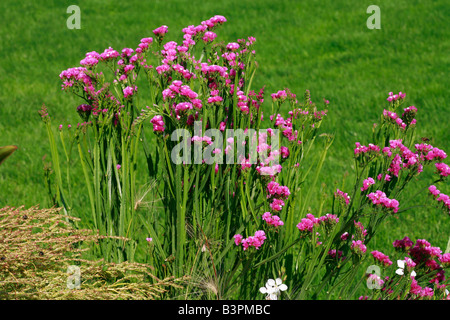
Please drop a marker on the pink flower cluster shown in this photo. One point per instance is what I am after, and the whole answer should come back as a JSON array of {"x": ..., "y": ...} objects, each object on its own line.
[
  {"x": 380, "y": 198},
  {"x": 382, "y": 258},
  {"x": 203, "y": 31},
  {"x": 443, "y": 169},
  {"x": 73, "y": 76},
  {"x": 426, "y": 258},
  {"x": 90, "y": 60},
  {"x": 445, "y": 260},
  {"x": 255, "y": 241},
  {"x": 361, "y": 149},
  {"x": 367, "y": 183},
  {"x": 277, "y": 193},
  {"x": 394, "y": 97},
  {"x": 394, "y": 118},
  {"x": 109, "y": 54},
  {"x": 307, "y": 224},
  {"x": 129, "y": 91},
  {"x": 336, "y": 254},
  {"x": 280, "y": 95},
  {"x": 440, "y": 197},
  {"x": 161, "y": 30},
  {"x": 406, "y": 158},
  {"x": 404, "y": 244},
  {"x": 344, "y": 196},
  {"x": 285, "y": 127},
  {"x": 430, "y": 153},
  {"x": 158, "y": 123},
  {"x": 358, "y": 247},
  {"x": 272, "y": 220}
]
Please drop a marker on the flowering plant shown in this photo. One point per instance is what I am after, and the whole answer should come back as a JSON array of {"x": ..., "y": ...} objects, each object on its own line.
[{"x": 237, "y": 221}]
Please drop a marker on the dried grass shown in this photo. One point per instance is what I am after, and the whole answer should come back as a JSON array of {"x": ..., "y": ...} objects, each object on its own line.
[{"x": 37, "y": 246}]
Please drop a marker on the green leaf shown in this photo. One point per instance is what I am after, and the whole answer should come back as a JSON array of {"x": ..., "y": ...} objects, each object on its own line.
[{"x": 5, "y": 152}]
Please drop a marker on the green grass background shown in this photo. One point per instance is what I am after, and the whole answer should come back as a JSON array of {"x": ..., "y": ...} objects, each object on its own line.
[{"x": 323, "y": 46}]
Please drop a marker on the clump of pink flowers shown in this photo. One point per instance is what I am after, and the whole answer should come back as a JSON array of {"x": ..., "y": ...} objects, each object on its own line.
[
  {"x": 343, "y": 196},
  {"x": 307, "y": 224},
  {"x": 158, "y": 123},
  {"x": 443, "y": 169},
  {"x": 379, "y": 198},
  {"x": 272, "y": 220},
  {"x": 440, "y": 197},
  {"x": 358, "y": 247},
  {"x": 382, "y": 258},
  {"x": 277, "y": 193},
  {"x": 255, "y": 241},
  {"x": 394, "y": 97},
  {"x": 367, "y": 183}
]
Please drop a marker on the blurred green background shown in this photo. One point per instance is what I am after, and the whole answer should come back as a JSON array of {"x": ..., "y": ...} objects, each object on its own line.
[{"x": 324, "y": 46}]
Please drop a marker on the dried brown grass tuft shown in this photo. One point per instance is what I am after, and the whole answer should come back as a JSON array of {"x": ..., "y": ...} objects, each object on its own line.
[{"x": 37, "y": 246}]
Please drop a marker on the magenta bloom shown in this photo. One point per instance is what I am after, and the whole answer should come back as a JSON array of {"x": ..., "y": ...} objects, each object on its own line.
[
  {"x": 161, "y": 30},
  {"x": 129, "y": 91},
  {"x": 404, "y": 244},
  {"x": 277, "y": 205},
  {"x": 344, "y": 196},
  {"x": 443, "y": 169},
  {"x": 109, "y": 54},
  {"x": 238, "y": 239},
  {"x": 358, "y": 247},
  {"x": 433, "y": 190},
  {"x": 158, "y": 123},
  {"x": 380, "y": 198},
  {"x": 445, "y": 260},
  {"x": 255, "y": 241},
  {"x": 272, "y": 220},
  {"x": 308, "y": 223},
  {"x": 367, "y": 183},
  {"x": 384, "y": 259},
  {"x": 209, "y": 36},
  {"x": 233, "y": 46}
]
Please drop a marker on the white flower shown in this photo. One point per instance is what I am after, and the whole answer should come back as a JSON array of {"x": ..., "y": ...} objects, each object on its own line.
[
  {"x": 273, "y": 288},
  {"x": 401, "y": 265}
]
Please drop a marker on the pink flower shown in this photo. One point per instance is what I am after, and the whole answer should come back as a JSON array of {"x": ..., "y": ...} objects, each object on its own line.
[
  {"x": 233, "y": 46},
  {"x": 358, "y": 247},
  {"x": 284, "y": 152},
  {"x": 380, "y": 198},
  {"x": 238, "y": 239},
  {"x": 209, "y": 36},
  {"x": 307, "y": 224},
  {"x": 109, "y": 54},
  {"x": 445, "y": 260},
  {"x": 161, "y": 30},
  {"x": 367, "y": 183},
  {"x": 256, "y": 241},
  {"x": 277, "y": 205},
  {"x": 272, "y": 220},
  {"x": 343, "y": 196},
  {"x": 158, "y": 123},
  {"x": 443, "y": 169},
  {"x": 433, "y": 190},
  {"x": 129, "y": 91},
  {"x": 379, "y": 256}
]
